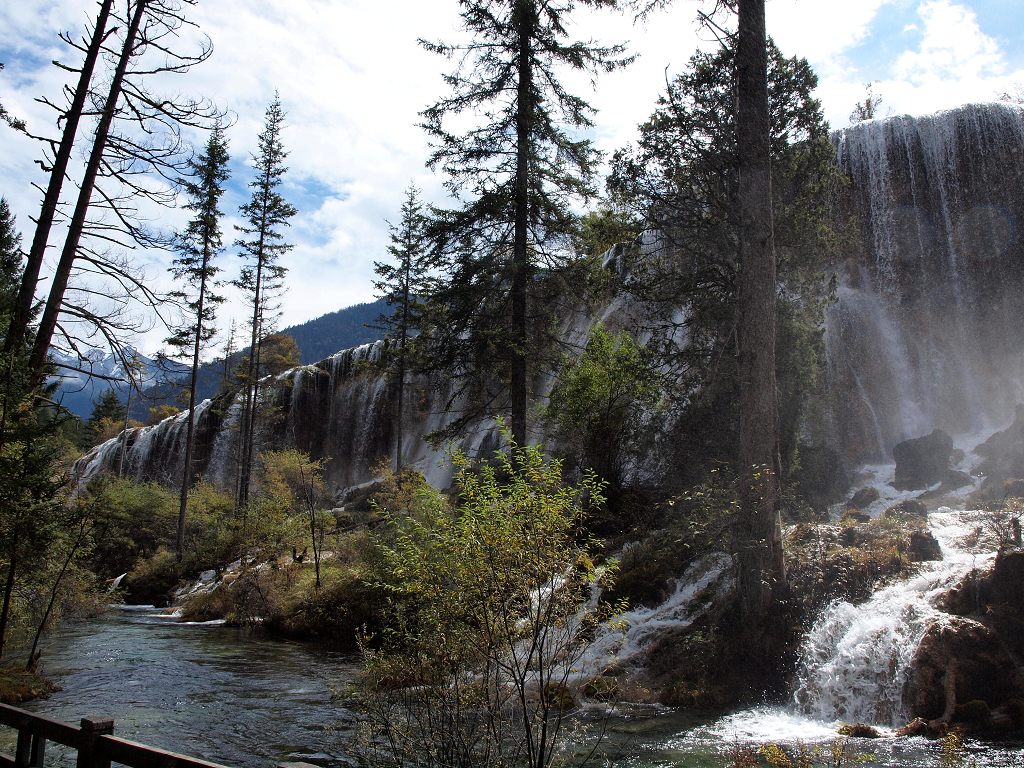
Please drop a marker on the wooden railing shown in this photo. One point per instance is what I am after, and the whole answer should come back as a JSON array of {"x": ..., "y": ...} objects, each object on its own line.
[{"x": 94, "y": 741}]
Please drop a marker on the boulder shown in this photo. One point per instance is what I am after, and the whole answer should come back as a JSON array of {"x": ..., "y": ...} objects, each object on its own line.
[
  {"x": 962, "y": 658},
  {"x": 916, "y": 727},
  {"x": 922, "y": 461},
  {"x": 859, "y": 731},
  {"x": 1002, "y": 458},
  {"x": 909, "y": 509},
  {"x": 923, "y": 547},
  {"x": 1002, "y": 595},
  {"x": 1008, "y": 444},
  {"x": 864, "y": 498},
  {"x": 954, "y": 480}
]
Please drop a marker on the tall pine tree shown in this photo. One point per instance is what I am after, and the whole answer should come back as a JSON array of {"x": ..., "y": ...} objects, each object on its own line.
[
  {"x": 404, "y": 284},
  {"x": 517, "y": 174},
  {"x": 10, "y": 264},
  {"x": 761, "y": 568},
  {"x": 198, "y": 246},
  {"x": 262, "y": 244}
]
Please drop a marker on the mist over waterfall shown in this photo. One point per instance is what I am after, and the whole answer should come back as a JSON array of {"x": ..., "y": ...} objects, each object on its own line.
[{"x": 926, "y": 332}]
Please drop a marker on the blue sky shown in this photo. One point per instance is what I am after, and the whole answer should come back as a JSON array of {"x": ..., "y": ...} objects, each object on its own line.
[{"x": 353, "y": 81}]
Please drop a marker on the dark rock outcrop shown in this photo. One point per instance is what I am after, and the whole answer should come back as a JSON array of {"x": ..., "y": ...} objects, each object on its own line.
[
  {"x": 968, "y": 671},
  {"x": 1002, "y": 459},
  {"x": 961, "y": 655},
  {"x": 922, "y": 461},
  {"x": 865, "y": 497},
  {"x": 923, "y": 547},
  {"x": 909, "y": 509},
  {"x": 1013, "y": 489}
]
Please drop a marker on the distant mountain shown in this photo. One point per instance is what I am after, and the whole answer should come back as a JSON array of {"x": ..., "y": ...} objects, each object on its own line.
[
  {"x": 350, "y": 327},
  {"x": 81, "y": 380},
  {"x": 317, "y": 339}
]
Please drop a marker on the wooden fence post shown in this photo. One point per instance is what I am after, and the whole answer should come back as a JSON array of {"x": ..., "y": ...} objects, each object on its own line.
[
  {"x": 31, "y": 747},
  {"x": 89, "y": 754}
]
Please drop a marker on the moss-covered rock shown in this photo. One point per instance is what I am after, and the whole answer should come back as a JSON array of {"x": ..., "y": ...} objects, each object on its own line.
[{"x": 847, "y": 561}]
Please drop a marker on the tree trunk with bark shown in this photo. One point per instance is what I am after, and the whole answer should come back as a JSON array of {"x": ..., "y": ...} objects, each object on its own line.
[
  {"x": 521, "y": 272},
  {"x": 22, "y": 316},
  {"x": 62, "y": 274},
  {"x": 760, "y": 558}
]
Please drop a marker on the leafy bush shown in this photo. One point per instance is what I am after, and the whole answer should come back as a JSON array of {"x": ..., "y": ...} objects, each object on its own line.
[
  {"x": 597, "y": 403},
  {"x": 133, "y": 520},
  {"x": 485, "y": 616}
]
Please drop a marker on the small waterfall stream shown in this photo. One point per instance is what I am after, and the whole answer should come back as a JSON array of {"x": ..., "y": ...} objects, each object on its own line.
[{"x": 855, "y": 661}]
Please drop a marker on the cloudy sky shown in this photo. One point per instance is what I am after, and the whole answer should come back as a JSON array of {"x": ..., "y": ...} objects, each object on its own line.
[{"x": 353, "y": 79}]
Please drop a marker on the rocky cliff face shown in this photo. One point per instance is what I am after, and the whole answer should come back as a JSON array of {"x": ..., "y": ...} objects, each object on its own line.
[{"x": 925, "y": 334}]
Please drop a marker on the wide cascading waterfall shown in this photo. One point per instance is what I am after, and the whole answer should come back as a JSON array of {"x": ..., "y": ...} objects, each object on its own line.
[
  {"x": 338, "y": 409},
  {"x": 924, "y": 333},
  {"x": 342, "y": 410},
  {"x": 855, "y": 663},
  {"x": 926, "y": 329}
]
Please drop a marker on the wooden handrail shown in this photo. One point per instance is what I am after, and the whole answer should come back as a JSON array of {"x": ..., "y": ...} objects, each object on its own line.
[{"x": 94, "y": 740}]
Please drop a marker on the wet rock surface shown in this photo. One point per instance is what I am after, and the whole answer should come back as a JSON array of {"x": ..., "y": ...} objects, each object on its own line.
[
  {"x": 922, "y": 461},
  {"x": 967, "y": 670}
]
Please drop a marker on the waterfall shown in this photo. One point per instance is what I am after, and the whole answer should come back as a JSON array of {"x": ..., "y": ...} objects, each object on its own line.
[
  {"x": 856, "y": 660},
  {"x": 626, "y": 641},
  {"x": 925, "y": 331}
]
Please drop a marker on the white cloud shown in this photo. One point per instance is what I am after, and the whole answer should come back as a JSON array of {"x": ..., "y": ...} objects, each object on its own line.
[
  {"x": 953, "y": 47},
  {"x": 821, "y": 30},
  {"x": 353, "y": 79}
]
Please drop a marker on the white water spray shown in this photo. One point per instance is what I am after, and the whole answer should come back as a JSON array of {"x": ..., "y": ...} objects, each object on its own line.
[{"x": 855, "y": 661}]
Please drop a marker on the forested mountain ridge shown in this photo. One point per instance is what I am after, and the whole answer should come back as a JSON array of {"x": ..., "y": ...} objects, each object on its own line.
[{"x": 317, "y": 339}]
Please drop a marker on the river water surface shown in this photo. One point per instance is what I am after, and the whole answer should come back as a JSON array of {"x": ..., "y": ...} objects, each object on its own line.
[{"x": 210, "y": 691}]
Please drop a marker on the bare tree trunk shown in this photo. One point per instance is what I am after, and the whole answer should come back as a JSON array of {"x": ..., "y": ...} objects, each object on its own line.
[
  {"x": 402, "y": 339},
  {"x": 124, "y": 429},
  {"x": 252, "y": 385},
  {"x": 33, "y": 659},
  {"x": 18, "y": 327},
  {"x": 520, "y": 249},
  {"x": 761, "y": 567},
  {"x": 5, "y": 612},
  {"x": 190, "y": 430},
  {"x": 48, "y": 322}
]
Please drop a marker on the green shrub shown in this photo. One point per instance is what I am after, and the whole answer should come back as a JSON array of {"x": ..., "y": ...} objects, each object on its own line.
[
  {"x": 485, "y": 615},
  {"x": 598, "y": 400}
]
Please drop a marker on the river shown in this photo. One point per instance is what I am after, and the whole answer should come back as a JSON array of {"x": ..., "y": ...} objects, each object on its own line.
[{"x": 207, "y": 690}]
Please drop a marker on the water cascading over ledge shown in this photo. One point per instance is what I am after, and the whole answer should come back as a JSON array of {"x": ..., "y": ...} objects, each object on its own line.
[
  {"x": 927, "y": 329},
  {"x": 339, "y": 409}
]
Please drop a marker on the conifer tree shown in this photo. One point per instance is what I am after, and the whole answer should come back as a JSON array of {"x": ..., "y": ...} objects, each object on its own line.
[
  {"x": 6, "y": 117},
  {"x": 404, "y": 284},
  {"x": 761, "y": 567},
  {"x": 199, "y": 245},
  {"x": 10, "y": 264},
  {"x": 261, "y": 279},
  {"x": 516, "y": 174}
]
